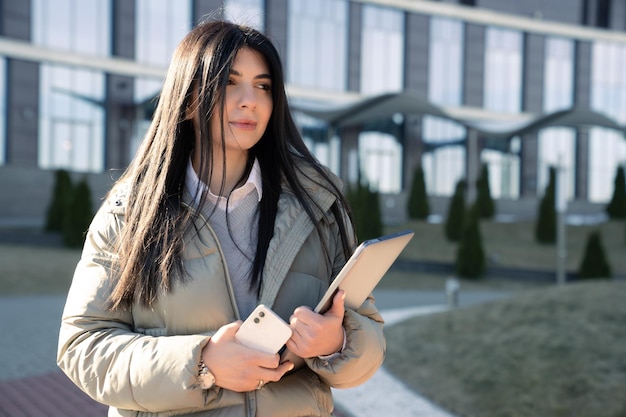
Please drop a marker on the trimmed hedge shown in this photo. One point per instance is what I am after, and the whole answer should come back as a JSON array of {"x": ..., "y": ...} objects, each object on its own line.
[
  {"x": 486, "y": 205},
  {"x": 545, "y": 227},
  {"x": 595, "y": 263},
  {"x": 418, "y": 207},
  {"x": 455, "y": 219},
  {"x": 77, "y": 216},
  {"x": 470, "y": 259},
  {"x": 70, "y": 210},
  {"x": 616, "y": 209},
  {"x": 61, "y": 199},
  {"x": 366, "y": 212}
]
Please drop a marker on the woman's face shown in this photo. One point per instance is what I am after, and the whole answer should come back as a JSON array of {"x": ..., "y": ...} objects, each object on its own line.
[{"x": 248, "y": 104}]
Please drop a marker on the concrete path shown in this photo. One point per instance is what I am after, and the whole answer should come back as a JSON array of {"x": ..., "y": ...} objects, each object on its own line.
[{"x": 383, "y": 395}]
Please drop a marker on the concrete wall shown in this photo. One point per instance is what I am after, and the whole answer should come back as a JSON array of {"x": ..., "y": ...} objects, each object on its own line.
[
  {"x": 354, "y": 46},
  {"x": 276, "y": 28},
  {"x": 559, "y": 10},
  {"x": 27, "y": 192},
  {"x": 22, "y": 87},
  {"x": 474, "y": 61}
]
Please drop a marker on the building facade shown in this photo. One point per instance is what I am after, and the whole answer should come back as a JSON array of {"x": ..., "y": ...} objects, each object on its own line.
[{"x": 78, "y": 79}]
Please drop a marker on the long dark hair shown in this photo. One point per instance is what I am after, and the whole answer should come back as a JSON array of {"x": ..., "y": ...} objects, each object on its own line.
[{"x": 156, "y": 220}]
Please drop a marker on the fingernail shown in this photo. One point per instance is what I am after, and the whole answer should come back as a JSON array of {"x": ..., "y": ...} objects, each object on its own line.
[{"x": 291, "y": 366}]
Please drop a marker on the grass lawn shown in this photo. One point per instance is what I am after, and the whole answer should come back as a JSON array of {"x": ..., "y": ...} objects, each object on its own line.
[
  {"x": 513, "y": 244},
  {"x": 557, "y": 352},
  {"x": 549, "y": 351},
  {"x": 36, "y": 269}
]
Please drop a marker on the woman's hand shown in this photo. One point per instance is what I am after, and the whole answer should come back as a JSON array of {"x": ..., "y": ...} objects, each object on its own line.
[
  {"x": 237, "y": 367},
  {"x": 317, "y": 334}
]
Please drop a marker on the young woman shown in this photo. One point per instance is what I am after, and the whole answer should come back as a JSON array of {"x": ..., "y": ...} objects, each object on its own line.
[{"x": 222, "y": 209}]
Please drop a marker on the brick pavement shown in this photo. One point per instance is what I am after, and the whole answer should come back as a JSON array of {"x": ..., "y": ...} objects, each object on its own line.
[
  {"x": 52, "y": 395},
  {"x": 48, "y": 395}
]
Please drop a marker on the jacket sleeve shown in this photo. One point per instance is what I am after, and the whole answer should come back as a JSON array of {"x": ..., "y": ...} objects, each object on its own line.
[
  {"x": 365, "y": 346},
  {"x": 100, "y": 352},
  {"x": 363, "y": 354}
]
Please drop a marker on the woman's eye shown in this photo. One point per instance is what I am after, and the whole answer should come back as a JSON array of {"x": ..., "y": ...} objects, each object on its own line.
[{"x": 266, "y": 87}]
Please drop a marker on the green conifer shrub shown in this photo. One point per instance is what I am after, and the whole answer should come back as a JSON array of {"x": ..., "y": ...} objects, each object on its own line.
[
  {"x": 61, "y": 196},
  {"x": 77, "y": 216},
  {"x": 545, "y": 227},
  {"x": 616, "y": 209},
  {"x": 594, "y": 263},
  {"x": 456, "y": 213},
  {"x": 366, "y": 212},
  {"x": 418, "y": 206},
  {"x": 470, "y": 258},
  {"x": 486, "y": 205}
]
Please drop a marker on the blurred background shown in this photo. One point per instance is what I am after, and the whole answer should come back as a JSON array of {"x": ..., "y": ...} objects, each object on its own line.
[{"x": 519, "y": 86}]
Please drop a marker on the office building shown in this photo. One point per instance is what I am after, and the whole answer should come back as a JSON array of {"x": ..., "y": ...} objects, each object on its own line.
[{"x": 78, "y": 79}]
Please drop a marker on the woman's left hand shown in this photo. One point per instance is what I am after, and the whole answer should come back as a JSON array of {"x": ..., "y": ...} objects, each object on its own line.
[{"x": 317, "y": 334}]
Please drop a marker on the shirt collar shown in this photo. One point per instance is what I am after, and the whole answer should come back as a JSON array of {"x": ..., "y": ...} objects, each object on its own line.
[{"x": 253, "y": 182}]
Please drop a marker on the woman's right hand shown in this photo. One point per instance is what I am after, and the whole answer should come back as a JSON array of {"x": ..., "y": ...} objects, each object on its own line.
[{"x": 237, "y": 367}]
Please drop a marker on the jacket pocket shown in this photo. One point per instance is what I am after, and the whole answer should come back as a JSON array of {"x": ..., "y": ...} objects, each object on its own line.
[{"x": 299, "y": 394}]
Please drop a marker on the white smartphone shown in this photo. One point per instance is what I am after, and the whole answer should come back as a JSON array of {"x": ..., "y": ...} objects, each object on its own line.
[{"x": 264, "y": 330}]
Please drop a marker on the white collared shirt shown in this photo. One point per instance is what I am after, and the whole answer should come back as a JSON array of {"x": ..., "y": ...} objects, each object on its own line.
[{"x": 253, "y": 182}]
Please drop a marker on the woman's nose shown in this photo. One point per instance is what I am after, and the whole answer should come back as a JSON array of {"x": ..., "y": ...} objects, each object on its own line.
[{"x": 247, "y": 97}]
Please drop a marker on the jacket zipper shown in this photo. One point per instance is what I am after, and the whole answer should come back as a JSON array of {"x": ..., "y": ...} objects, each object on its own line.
[
  {"x": 229, "y": 285},
  {"x": 247, "y": 396}
]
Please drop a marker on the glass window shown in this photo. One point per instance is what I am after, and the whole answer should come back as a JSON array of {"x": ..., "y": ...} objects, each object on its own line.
[
  {"x": 502, "y": 93},
  {"x": 72, "y": 116},
  {"x": 557, "y": 145},
  {"x": 444, "y": 160},
  {"x": 3, "y": 110},
  {"x": 160, "y": 26},
  {"x": 504, "y": 170},
  {"x": 75, "y": 25},
  {"x": 246, "y": 12},
  {"x": 607, "y": 148},
  {"x": 382, "y": 50},
  {"x": 445, "y": 61},
  {"x": 71, "y": 125},
  {"x": 382, "y": 61},
  {"x": 380, "y": 158},
  {"x": 317, "y": 46},
  {"x": 559, "y": 74},
  {"x": 503, "y": 70}
]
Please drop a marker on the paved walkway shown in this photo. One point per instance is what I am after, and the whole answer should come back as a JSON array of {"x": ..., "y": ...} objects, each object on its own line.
[{"x": 31, "y": 384}]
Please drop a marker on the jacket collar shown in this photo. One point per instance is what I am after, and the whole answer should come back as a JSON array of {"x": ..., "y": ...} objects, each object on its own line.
[{"x": 293, "y": 227}]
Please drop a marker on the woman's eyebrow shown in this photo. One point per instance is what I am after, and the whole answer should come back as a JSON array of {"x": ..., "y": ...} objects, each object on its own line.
[{"x": 259, "y": 76}]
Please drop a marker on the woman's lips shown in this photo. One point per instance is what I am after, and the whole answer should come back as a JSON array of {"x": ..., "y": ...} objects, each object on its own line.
[{"x": 244, "y": 124}]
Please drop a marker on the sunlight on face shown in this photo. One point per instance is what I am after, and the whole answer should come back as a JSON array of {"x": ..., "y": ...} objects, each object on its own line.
[{"x": 248, "y": 105}]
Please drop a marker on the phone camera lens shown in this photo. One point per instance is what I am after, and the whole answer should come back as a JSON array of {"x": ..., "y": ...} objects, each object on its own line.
[
  {"x": 256, "y": 320},
  {"x": 261, "y": 314}
]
